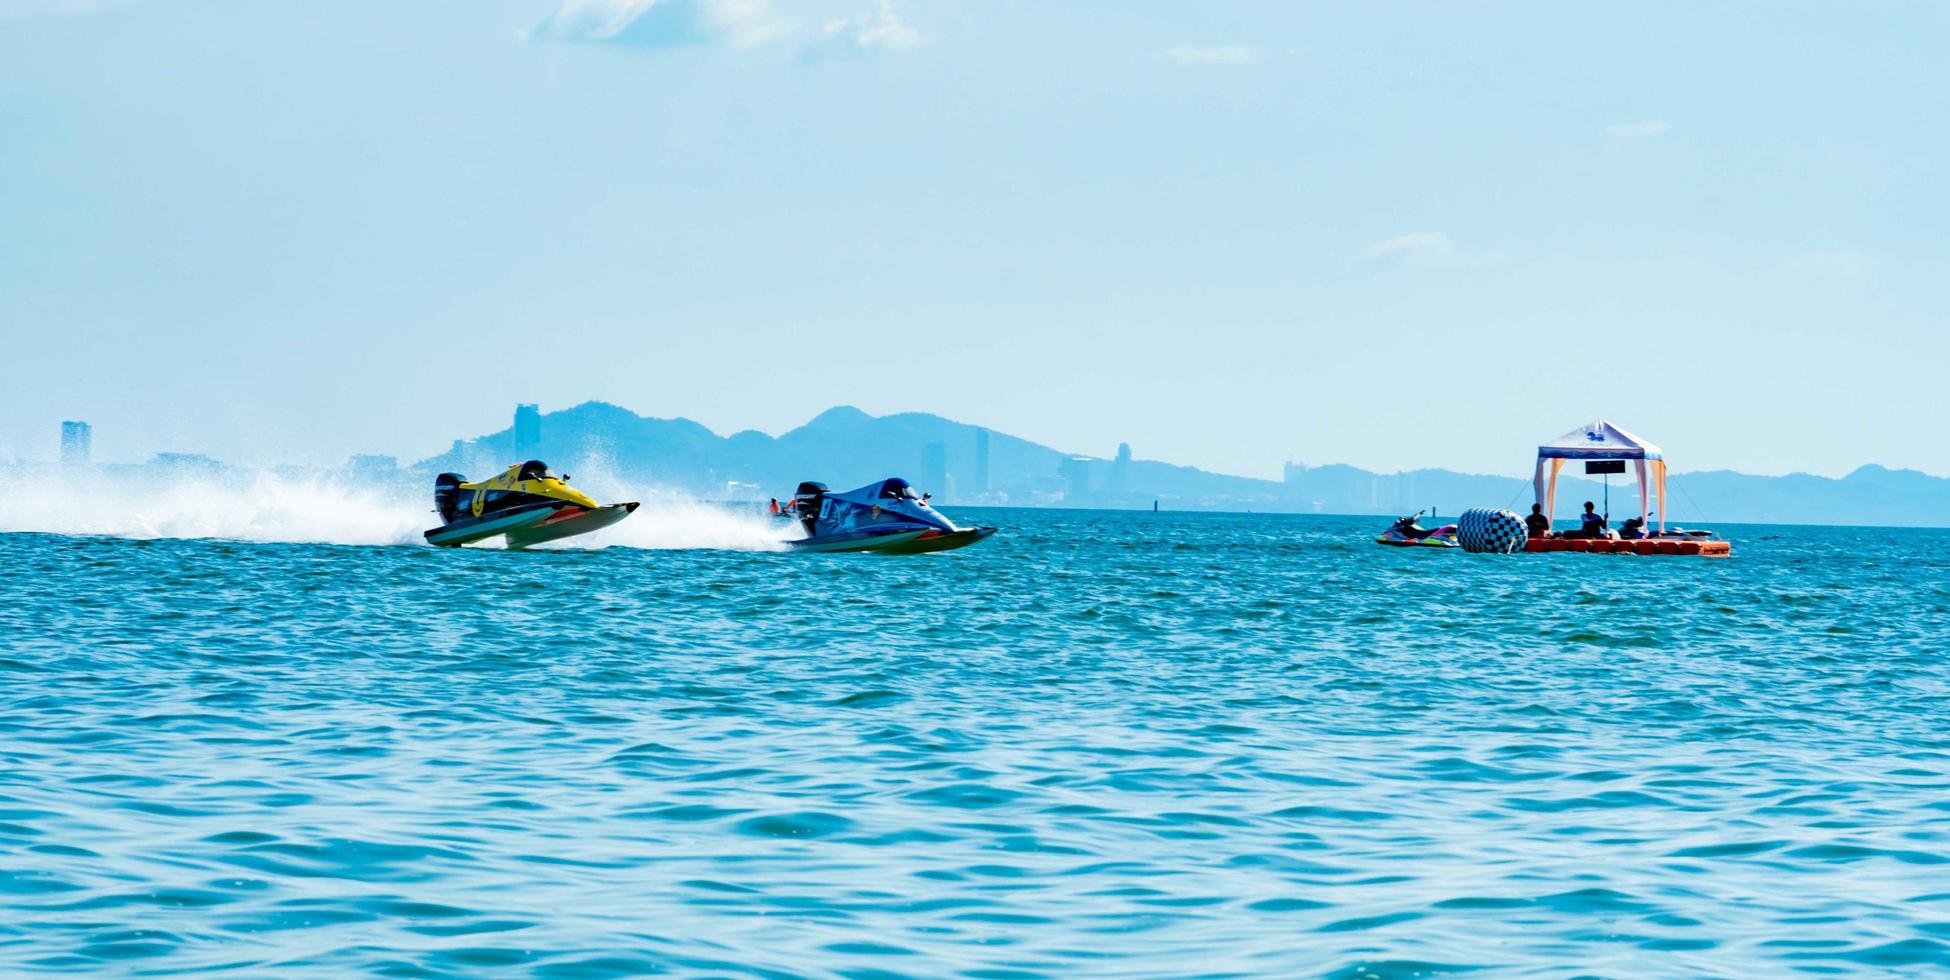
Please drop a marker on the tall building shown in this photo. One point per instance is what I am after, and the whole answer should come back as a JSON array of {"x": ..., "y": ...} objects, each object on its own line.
[
  {"x": 1294, "y": 482},
  {"x": 934, "y": 468},
  {"x": 528, "y": 430},
  {"x": 981, "y": 461},
  {"x": 1120, "y": 468},
  {"x": 77, "y": 443},
  {"x": 1075, "y": 471}
]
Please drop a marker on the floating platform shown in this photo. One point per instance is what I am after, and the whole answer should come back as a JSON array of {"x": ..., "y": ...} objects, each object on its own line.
[{"x": 1648, "y": 546}]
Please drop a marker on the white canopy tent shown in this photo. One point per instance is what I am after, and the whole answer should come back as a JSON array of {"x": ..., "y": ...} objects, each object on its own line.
[{"x": 1602, "y": 440}]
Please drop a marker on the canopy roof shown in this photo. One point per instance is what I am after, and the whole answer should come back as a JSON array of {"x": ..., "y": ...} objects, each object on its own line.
[
  {"x": 1598, "y": 440},
  {"x": 1603, "y": 440}
]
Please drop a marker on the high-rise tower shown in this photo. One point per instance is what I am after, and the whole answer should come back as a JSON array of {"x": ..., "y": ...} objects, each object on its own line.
[
  {"x": 528, "y": 430},
  {"x": 77, "y": 443}
]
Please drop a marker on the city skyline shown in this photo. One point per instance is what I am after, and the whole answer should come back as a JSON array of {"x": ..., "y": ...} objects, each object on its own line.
[
  {"x": 74, "y": 445},
  {"x": 965, "y": 464}
]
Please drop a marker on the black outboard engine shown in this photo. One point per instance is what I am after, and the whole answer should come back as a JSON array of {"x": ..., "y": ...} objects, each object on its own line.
[
  {"x": 806, "y": 504},
  {"x": 446, "y": 495}
]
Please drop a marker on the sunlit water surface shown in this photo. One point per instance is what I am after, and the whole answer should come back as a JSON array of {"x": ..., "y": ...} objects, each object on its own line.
[{"x": 1101, "y": 743}]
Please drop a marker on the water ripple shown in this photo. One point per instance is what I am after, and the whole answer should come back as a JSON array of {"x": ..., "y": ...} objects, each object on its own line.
[{"x": 1103, "y": 743}]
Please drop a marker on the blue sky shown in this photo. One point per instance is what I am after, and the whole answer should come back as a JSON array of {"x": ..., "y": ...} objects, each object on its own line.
[{"x": 1231, "y": 234}]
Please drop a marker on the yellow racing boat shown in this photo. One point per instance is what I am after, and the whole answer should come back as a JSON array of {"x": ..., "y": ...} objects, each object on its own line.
[{"x": 527, "y": 505}]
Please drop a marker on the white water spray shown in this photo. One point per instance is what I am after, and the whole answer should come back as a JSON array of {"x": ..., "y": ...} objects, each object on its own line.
[
  {"x": 238, "y": 505},
  {"x": 671, "y": 519},
  {"x": 256, "y": 505}
]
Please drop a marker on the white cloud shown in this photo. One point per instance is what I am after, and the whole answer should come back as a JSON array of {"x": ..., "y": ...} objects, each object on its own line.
[
  {"x": 592, "y": 20},
  {"x": 1643, "y": 129},
  {"x": 741, "y": 23},
  {"x": 748, "y": 22},
  {"x": 1416, "y": 246},
  {"x": 1191, "y": 54},
  {"x": 880, "y": 28},
  {"x": 665, "y": 23},
  {"x": 884, "y": 29}
]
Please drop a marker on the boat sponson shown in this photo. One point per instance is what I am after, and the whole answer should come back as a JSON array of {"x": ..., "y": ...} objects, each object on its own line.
[
  {"x": 931, "y": 541},
  {"x": 568, "y": 522},
  {"x": 468, "y": 530},
  {"x": 868, "y": 540}
]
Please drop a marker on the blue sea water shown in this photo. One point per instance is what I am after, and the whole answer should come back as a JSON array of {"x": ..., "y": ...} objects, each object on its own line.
[{"x": 1099, "y": 743}]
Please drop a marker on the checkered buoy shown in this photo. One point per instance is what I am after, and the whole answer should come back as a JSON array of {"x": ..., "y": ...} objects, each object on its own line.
[{"x": 1491, "y": 532}]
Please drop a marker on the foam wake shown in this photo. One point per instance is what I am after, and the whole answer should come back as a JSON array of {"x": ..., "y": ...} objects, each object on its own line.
[
  {"x": 246, "y": 505},
  {"x": 670, "y": 519},
  {"x": 237, "y": 505}
]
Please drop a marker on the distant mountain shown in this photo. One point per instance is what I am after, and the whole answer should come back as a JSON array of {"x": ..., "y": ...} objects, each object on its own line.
[
  {"x": 843, "y": 447},
  {"x": 846, "y": 447},
  {"x": 1870, "y": 495}
]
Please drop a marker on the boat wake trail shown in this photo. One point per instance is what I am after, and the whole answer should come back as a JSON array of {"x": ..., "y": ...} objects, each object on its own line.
[
  {"x": 671, "y": 520},
  {"x": 260, "y": 505},
  {"x": 236, "y": 505}
]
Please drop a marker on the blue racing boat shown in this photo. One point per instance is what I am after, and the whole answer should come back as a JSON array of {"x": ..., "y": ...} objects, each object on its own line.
[{"x": 886, "y": 518}]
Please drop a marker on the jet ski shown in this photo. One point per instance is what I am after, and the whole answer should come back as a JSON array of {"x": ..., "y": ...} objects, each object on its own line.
[
  {"x": 527, "y": 504},
  {"x": 1405, "y": 532},
  {"x": 886, "y": 518}
]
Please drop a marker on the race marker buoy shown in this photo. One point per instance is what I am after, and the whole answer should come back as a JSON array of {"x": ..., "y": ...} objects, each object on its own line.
[{"x": 1491, "y": 532}]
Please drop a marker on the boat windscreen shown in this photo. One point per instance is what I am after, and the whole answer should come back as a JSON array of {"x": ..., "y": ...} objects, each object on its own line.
[
  {"x": 534, "y": 469},
  {"x": 898, "y": 488}
]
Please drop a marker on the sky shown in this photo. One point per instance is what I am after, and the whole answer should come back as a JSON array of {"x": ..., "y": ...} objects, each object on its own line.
[{"x": 1232, "y": 234}]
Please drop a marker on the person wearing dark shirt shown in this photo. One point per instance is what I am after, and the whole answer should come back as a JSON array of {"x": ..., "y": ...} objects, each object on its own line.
[
  {"x": 1540, "y": 526},
  {"x": 1592, "y": 523},
  {"x": 1633, "y": 530}
]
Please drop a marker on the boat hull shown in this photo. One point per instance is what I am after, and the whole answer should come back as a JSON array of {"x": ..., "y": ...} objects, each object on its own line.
[
  {"x": 869, "y": 540},
  {"x": 529, "y": 524},
  {"x": 1432, "y": 540},
  {"x": 468, "y": 530},
  {"x": 931, "y": 541},
  {"x": 567, "y": 523}
]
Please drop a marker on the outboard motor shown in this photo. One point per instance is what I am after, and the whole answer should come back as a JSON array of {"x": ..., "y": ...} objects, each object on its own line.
[
  {"x": 806, "y": 504},
  {"x": 446, "y": 495}
]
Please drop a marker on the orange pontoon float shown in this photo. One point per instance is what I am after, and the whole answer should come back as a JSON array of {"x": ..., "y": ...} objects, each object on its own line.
[{"x": 1648, "y": 546}]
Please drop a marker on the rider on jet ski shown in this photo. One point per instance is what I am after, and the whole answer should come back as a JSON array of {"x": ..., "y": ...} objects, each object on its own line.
[{"x": 1407, "y": 527}]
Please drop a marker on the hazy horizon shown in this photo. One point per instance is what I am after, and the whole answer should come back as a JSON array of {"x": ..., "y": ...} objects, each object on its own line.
[
  {"x": 1229, "y": 236},
  {"x": 51, "y": 455}
]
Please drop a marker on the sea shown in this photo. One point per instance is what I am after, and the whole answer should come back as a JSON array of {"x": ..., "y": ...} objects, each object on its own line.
[{"x": 1099, "y": 743}]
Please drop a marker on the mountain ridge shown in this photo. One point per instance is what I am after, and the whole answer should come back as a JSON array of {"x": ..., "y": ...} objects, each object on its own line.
[{"x": 845, "y": 446}]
